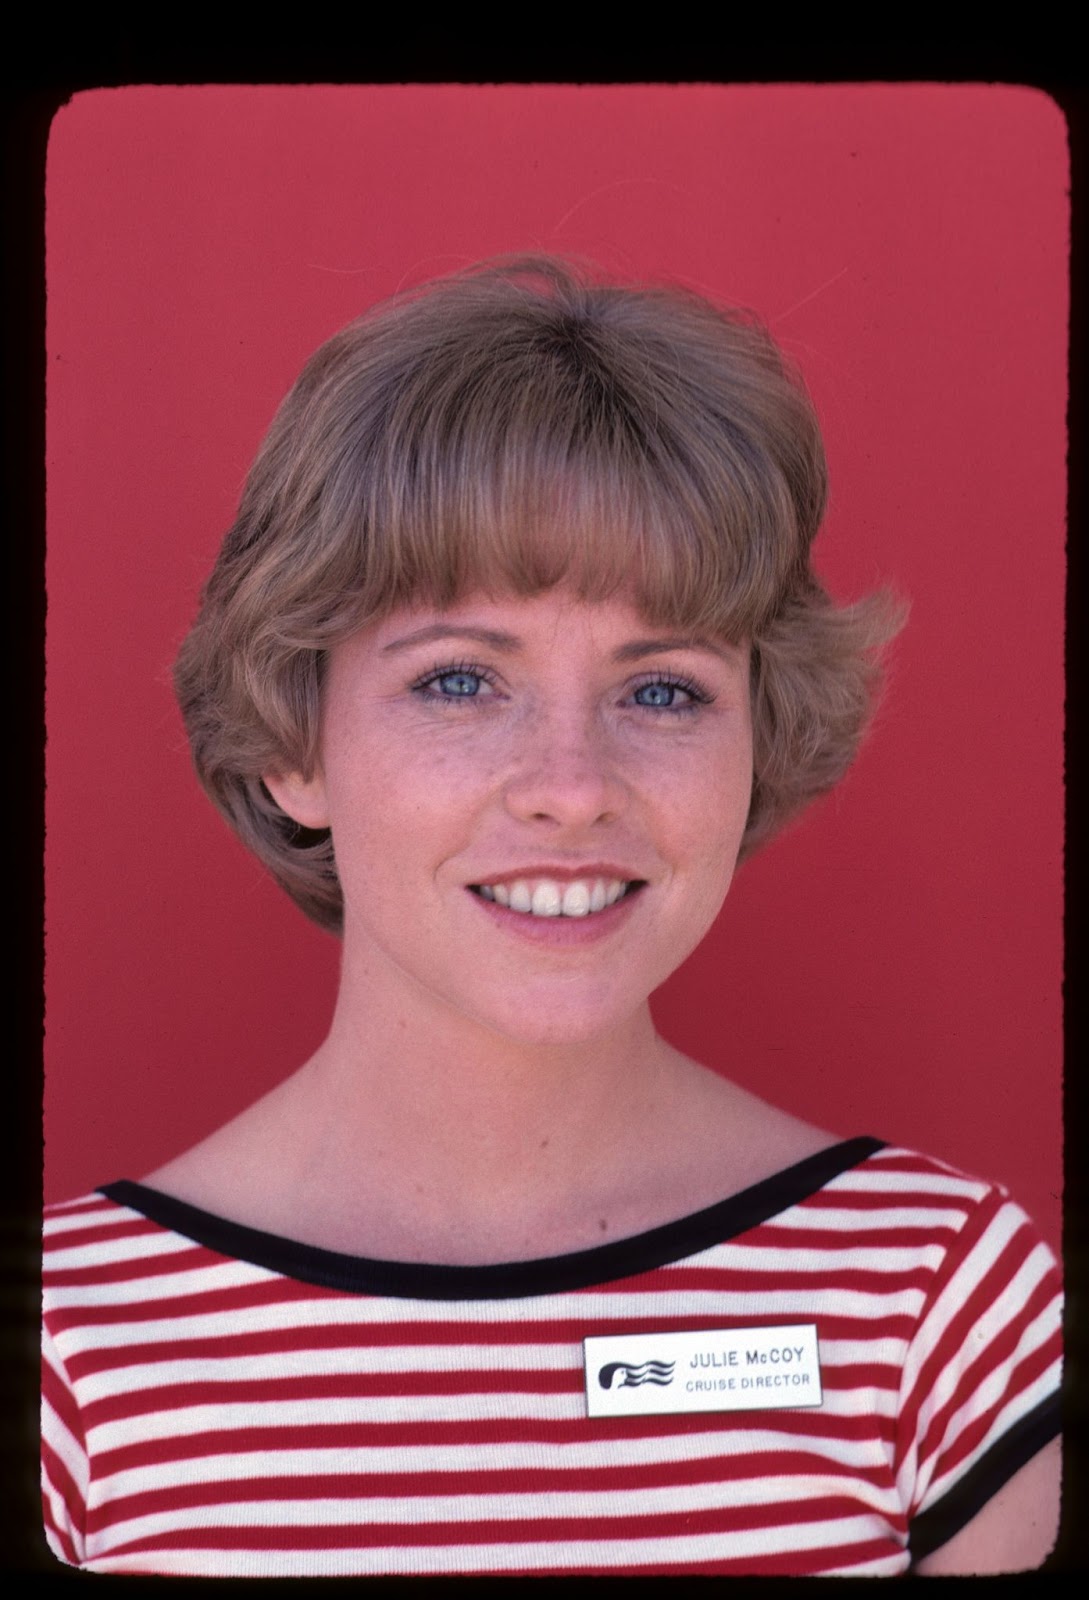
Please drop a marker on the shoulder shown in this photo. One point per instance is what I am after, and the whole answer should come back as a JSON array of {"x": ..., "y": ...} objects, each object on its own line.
[
  {"x": 978, "y": 1408},
  {"x": 72, "y": 1229},
  {"x": 99, "y": 1252},
  {"x": 990, "y": 1247},
  {"x": 91, "y": 1220},
  {"x": 974, "y": 1449},
  {"x": 720, "y": 1138},
  {"x": 928, "y": 1193},
  {"x": 983, "y": 1278}
]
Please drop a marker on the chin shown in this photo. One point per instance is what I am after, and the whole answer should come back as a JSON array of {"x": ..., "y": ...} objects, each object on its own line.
[{"x": 563, "y": 1021}]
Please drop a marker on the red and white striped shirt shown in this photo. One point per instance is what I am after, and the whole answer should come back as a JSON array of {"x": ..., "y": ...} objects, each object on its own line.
[{"x": 220, "y": 1401}]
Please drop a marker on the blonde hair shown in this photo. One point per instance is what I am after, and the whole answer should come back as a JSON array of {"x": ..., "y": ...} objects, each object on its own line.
[{"x": 517, "y": 426}]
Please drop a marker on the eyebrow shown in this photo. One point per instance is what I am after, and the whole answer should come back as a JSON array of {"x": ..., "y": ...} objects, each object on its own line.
[
  {"x": 509, "y": 643},
  {"x": 444, "y": 630},
  {"x": 638, "y": 648}
]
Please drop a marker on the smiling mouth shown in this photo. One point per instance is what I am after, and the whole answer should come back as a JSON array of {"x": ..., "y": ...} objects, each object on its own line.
[{"x": 546, "y": 897}]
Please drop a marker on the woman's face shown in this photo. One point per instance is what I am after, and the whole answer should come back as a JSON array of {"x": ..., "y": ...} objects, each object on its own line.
[{"x": 536, "y": 806}]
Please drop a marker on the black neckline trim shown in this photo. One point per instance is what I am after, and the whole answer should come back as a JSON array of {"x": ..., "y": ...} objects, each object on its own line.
[{"x": 582, "y": 1269}]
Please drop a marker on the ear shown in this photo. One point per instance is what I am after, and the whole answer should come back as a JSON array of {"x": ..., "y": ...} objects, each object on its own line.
[{"x": 303, "y": 799}]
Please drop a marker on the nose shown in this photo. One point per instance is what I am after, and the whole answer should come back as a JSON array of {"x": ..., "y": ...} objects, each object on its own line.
[{"x": 567, "y": 773}]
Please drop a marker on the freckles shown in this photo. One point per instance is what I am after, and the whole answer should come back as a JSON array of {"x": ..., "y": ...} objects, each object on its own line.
[
  {"x": 473, "y": 756},
  {"x": 444, "y": 783},
  {"x": 467, "y": 763}
]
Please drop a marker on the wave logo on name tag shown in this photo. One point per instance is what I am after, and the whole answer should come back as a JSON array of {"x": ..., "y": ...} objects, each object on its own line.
[{"x": 628, "y": 1376}]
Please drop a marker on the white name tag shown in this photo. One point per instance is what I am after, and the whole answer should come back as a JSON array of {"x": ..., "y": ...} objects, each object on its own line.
[{"x": 735, "y": 1369}]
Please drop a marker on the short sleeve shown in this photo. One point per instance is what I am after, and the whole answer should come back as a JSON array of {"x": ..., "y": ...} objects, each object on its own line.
[
  {"x": 65, "y": 1467},
  {"x": 980, "y": 1390}
]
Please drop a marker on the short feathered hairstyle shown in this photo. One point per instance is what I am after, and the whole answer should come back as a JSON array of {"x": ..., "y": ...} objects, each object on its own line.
[{"x": 517, "y": 426}]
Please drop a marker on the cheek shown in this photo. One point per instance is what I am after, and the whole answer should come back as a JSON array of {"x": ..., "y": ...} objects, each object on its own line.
[
  {"x": 398, "y": 798},
  {"x": 713, "y": 793},
  {"x": 708, "y": 831}
]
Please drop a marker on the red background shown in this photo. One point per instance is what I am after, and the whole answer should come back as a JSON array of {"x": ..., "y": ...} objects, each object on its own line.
[{"x": 893, "y": 964}]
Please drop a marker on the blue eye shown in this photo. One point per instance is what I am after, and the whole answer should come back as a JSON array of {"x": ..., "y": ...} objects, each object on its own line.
[
  {"x": 458, "y": 684},
  {"x": 452, "y": 681},
  {"x": 670, "y": 694},
  {"x": 659, "y": 695}
]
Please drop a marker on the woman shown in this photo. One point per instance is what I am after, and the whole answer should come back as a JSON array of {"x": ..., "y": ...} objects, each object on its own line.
[{"x": 513, "y": 650}]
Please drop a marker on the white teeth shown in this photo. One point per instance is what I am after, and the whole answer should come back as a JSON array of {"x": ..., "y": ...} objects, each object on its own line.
[
  {"x": 576, "y": 900},
  {"x": 547, "y": 900},
  {"x": 545, "y": 897}
]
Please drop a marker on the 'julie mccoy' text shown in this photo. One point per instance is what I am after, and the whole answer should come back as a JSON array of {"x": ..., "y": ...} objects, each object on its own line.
[{"x": 783, "y": 1356}]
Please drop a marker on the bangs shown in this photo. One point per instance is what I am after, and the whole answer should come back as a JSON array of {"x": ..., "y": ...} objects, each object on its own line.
[
  {"x": 562, "y": 474},
  {"x": 595, "y": 528}
]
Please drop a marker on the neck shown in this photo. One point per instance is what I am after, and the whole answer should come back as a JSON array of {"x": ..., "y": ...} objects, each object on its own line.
[
  {"x": 416, "y": 1132},
  {"x": 455, "y": 1127}
]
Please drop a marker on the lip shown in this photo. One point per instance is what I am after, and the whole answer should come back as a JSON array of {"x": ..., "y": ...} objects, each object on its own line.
[{"x": 566, "y": 874}]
